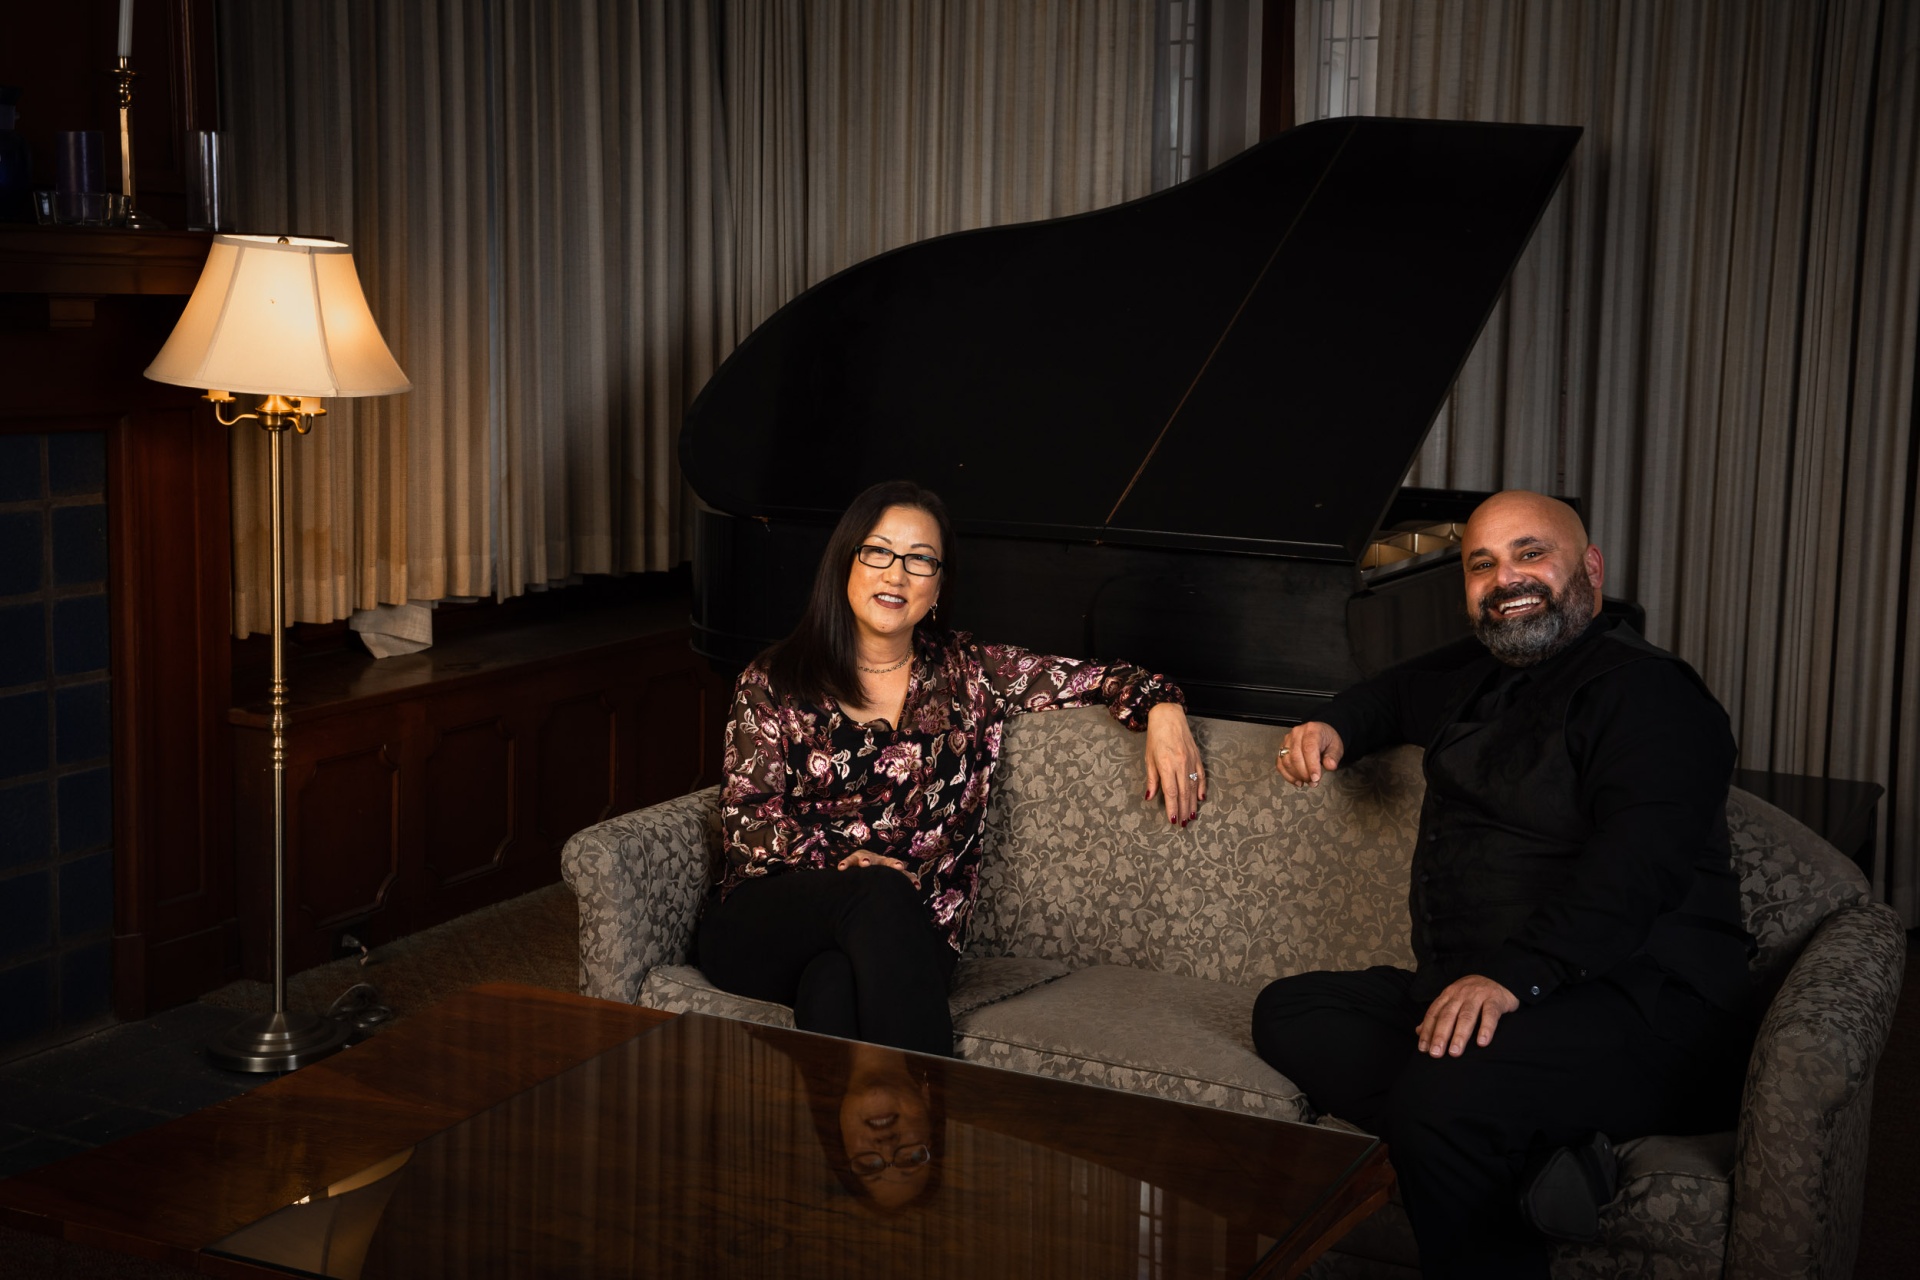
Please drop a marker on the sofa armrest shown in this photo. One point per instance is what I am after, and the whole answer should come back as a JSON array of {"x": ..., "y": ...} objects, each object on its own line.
[
  {"x": 1800, "y": 1151},
  {"x": 639, "y": 879}
]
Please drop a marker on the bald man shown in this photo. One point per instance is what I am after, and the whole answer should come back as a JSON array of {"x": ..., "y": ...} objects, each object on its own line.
[{"x": 1576, "y": 921}]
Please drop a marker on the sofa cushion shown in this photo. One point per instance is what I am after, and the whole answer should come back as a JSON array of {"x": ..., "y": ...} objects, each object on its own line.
[
  {"x": 682, "y": 988},
  {"x": 1160, "y": 1033},
  {"x": 1267, "y": 881}
]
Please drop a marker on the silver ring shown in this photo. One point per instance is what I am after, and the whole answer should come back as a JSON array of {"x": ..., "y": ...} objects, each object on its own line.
[
  {"x": 1285, "y": 750},
  {"x": 1193, "y": 777}
]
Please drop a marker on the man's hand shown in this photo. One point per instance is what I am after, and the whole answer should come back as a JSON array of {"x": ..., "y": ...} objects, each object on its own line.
[
  {"x": 1454, "y": 1013},
  {"x": 1311, "y": 749}
]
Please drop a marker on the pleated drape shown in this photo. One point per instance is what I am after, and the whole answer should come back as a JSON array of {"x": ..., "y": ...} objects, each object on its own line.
[
  {"x": 1712, "y": 342},
  {"x": 566, "y": 214},
  {"x": 363, "y": 122}
]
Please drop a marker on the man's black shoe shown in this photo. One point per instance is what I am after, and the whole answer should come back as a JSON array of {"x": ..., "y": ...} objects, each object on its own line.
[{"x": 1563, "y": 1191}]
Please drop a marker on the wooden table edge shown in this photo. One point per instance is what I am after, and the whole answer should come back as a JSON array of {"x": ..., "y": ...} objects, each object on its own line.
[{"x": 1343, "y": 1209}]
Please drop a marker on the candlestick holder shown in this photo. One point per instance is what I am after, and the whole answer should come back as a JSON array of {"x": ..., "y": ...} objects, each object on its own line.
[{"x": 123, "y": 76}]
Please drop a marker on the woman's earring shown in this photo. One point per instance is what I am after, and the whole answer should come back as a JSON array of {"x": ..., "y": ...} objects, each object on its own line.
[{"x": 933, "y": 612}]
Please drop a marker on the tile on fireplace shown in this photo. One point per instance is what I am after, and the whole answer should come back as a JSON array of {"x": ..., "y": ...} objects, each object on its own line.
[
  {"x": 23, "y": 643},
  {"x": 76, "y": 462},
  {"x": 23, "y": 734},
  {"x": 86, "y": 983},
  {"x": 86, "y": 895},
  {"x": 85, "y": 810},
  {"x": 26, "y": 916},
  {"x": 19, "y": 467},
  {"x": 19, "y": 551},
  {"x": 26, "y": 825},
  {"x": 26, "y": 1001},
  {"x": 80, "y": 544},
  {"x": 79, "y": 634},
  {"x": 83, "y": 726}
]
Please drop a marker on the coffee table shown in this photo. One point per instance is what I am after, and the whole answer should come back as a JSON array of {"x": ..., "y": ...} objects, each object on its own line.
[{"x": 517, "y": 1131}]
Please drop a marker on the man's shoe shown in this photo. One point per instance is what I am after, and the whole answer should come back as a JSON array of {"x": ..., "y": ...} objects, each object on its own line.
[{"x": 1564, "y": 1191}]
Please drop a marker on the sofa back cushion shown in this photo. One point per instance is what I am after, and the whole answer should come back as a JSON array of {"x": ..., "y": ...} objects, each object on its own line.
[
  {"x": 1790, "y": 880},
  {"x": 1267, "y": 881}
]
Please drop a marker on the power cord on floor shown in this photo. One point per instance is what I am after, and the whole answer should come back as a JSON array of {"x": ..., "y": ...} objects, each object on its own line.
[{"x": 361, "y": 1009}]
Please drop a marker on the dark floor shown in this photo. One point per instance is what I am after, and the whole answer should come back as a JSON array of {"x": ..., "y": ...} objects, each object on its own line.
[{"x": 112, "y": 1083}]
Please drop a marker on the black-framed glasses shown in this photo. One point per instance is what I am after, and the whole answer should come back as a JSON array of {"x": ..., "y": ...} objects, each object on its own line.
[
  {"x": 917, "y": 564},
  {"x": 872, "y": 1163}
]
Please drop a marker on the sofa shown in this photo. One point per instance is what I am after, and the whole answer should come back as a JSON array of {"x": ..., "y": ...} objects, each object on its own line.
[{"x": 1113, "y": 948}]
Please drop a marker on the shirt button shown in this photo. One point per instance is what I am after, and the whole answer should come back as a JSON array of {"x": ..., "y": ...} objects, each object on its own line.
[{"x": 1534, "y": 990}]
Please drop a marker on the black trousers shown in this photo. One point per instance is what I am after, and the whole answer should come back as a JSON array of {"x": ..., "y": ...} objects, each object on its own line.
[
  {"x": 854, "y": 952},
  {"x": 1461, "y": 1130}
]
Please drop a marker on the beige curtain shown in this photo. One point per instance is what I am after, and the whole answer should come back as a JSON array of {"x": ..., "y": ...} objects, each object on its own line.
[
  {"x": 1712, "y": 341},
  {"x": 857, "y": 126},
  {"x": 566, "y": 214},
  {"x": 362, "y": 122}
]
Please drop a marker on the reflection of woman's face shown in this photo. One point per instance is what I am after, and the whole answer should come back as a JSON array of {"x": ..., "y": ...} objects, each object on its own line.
[{"x": 884, "y": 1116}]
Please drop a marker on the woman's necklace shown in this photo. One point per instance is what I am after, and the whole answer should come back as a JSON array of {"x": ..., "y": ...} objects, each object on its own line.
[{"x": 881, "y": 671}]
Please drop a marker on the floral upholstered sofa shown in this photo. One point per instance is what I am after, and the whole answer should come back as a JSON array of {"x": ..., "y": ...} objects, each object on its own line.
[{"x": 1112, "y": 948}]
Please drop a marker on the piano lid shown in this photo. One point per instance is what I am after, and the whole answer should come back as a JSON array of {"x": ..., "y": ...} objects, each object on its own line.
[{"x": 1260, "y": 385}]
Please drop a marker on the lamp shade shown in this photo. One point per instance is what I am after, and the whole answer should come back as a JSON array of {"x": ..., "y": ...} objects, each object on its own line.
[{"x": 279, "y": 316}]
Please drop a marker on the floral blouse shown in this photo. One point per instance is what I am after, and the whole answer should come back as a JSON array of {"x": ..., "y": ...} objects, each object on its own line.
[{"x": 806, "y": 786}]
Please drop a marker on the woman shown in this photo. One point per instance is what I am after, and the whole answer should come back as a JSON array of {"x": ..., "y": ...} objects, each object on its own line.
[{"x": 858, "y": 760}]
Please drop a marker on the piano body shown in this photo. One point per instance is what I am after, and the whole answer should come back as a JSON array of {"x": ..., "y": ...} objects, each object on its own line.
[{"x": 1172, "y": 431}]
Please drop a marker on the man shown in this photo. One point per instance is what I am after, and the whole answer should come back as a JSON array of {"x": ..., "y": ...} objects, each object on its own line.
[{"x": 1576, "y": 920}]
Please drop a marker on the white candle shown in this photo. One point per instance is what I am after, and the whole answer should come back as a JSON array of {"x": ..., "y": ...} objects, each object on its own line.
[{"x": 126, "y": 28}]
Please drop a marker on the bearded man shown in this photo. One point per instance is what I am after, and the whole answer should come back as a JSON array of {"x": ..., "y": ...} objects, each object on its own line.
[{"x": 1582, "y": 969}]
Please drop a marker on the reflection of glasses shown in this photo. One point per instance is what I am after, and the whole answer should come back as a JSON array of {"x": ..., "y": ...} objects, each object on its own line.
[
  {"x": 920, "y": 566},
  {"x": 908, "y": 1157}
]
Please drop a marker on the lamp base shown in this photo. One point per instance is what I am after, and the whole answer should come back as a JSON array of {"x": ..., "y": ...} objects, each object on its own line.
[{"x": 278, "y": 1042}]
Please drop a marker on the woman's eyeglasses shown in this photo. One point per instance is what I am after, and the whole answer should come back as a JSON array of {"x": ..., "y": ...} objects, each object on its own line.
[
  {"x": 920, "y": 566},
  {"x": 872, "y": 1164}
]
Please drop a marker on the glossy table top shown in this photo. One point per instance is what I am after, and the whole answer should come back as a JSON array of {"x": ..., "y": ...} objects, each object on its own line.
[{"x": 571, "y": 1137}]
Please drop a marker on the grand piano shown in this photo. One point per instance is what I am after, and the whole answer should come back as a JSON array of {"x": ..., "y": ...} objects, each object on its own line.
[{"x": 1172, "y": 431}]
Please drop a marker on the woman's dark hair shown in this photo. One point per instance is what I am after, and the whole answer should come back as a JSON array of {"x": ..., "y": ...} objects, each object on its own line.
[{"x": 820, "y": 660}]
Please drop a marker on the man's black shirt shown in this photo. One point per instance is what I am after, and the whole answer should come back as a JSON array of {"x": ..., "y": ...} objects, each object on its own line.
[{"x": 1651, "y": 755}]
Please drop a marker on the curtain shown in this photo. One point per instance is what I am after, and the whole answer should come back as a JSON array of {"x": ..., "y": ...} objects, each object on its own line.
[
  {"x": 1712, "y": 341},
  {"x": 363, "y": 122},
  {"x": 566, "y": 214}
]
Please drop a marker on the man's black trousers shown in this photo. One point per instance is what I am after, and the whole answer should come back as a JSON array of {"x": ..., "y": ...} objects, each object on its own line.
[
  {"x": 1461, "y": 1130},
  {"x": 854, "y": 952}
]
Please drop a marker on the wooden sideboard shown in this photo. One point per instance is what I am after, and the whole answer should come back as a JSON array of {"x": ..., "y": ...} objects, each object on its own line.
[{"x": 422, "y": 787}]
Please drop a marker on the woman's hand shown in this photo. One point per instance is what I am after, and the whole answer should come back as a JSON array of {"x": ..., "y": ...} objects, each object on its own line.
[
  {"x": 867, "y": 858},
  {"x": 1173, "y": 763}
]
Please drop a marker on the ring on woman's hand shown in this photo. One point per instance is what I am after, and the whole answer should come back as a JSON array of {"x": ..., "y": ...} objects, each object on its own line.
[
  {"x": 1193, "y": 777},
  {"x": 1285, "y": 750}
]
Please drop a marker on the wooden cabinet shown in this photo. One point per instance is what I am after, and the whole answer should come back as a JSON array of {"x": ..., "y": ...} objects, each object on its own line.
[{"x": 422, "y": 787}]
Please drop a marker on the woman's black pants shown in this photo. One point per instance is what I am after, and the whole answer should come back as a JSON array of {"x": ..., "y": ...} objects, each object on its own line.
[{"x": 854, "y": 952}]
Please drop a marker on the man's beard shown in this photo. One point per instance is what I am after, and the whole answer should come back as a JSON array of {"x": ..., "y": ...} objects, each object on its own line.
[{"x": 1522, "y": 642}]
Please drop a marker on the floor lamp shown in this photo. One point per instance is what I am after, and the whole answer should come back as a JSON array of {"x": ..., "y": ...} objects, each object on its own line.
[{"x": 282, "y": 318}]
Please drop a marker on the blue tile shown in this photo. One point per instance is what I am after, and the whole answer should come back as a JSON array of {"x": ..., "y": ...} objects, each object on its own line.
[
  {"x": 19, "y": 467},
  {"x": 23, "y": 644},
  {"x": 86, "y": 983},
  {"x": 19, "y": 551},
  {"x": 26, "y": 825},
  {"x": 26, "y": 1001},
  {"x": 79, "y": 544},
  {"x": 77, "y": 462},
  {"x": 83, "y": 727},
  {"x": 79, "y": 635},
  {"x": 23, "y": 734},
  {"x": 26, "y": 914},
  {"x": 86, "y": 810},
  {"x": 86, "y": 895}
]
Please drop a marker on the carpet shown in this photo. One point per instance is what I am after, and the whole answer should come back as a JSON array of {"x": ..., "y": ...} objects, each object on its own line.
[{"x": 533, "y": 939}]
